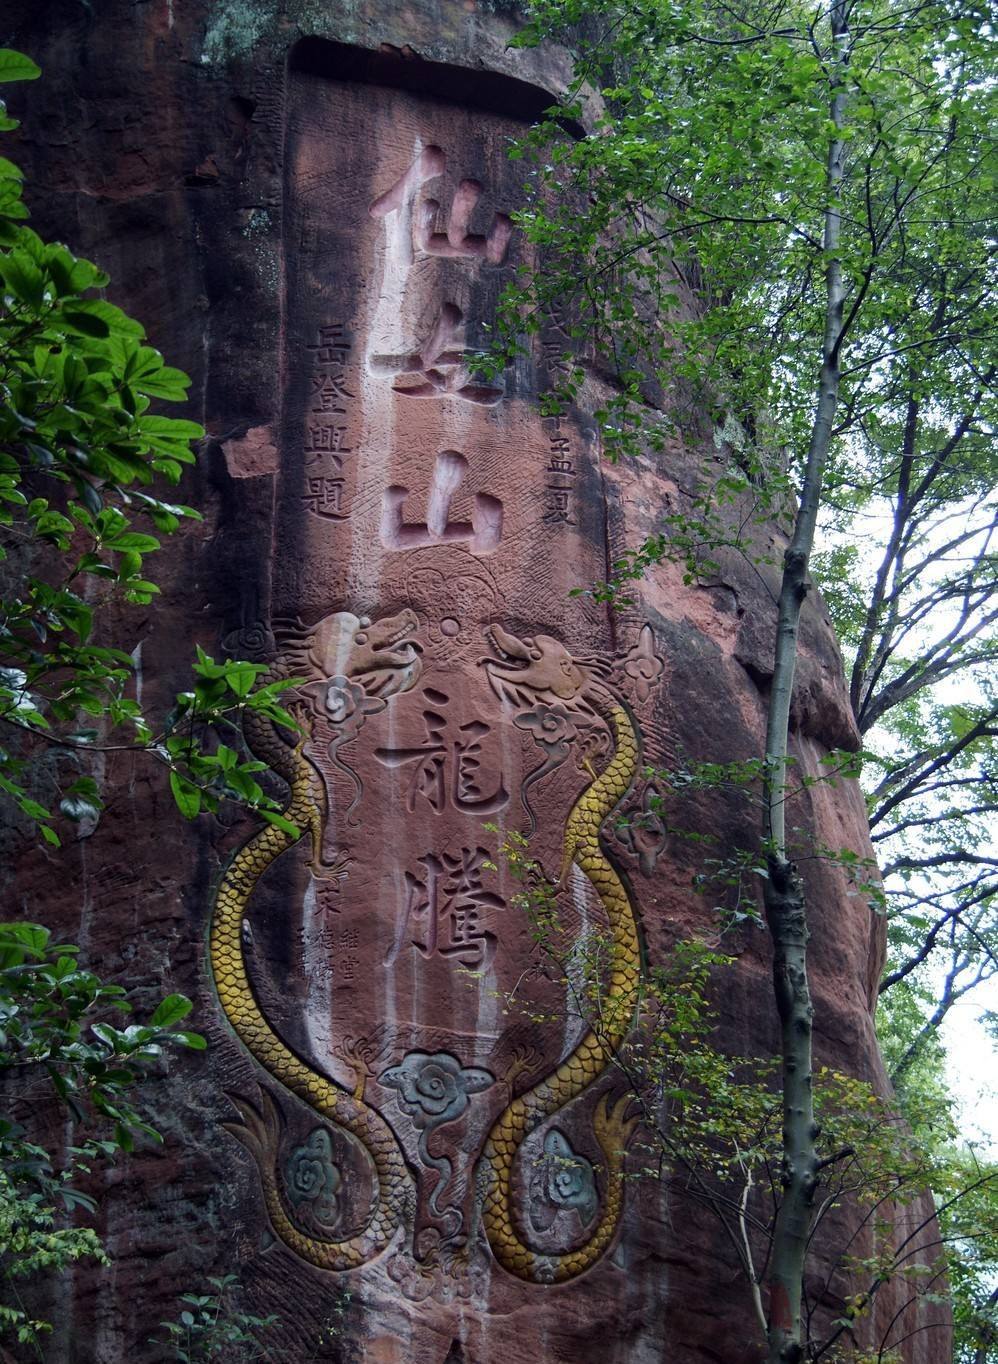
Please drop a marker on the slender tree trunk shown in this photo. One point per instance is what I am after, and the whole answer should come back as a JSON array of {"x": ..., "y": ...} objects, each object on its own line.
[
  {"x": 783, "y": 889},
  {"x": 988, "y": 1335}
]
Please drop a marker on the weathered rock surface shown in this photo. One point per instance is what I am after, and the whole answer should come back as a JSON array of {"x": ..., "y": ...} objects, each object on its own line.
[{"x": 308, "y": 207}]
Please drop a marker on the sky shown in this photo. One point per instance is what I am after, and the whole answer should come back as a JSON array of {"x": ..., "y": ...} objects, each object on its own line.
[{"x": 971, "y": 1067}]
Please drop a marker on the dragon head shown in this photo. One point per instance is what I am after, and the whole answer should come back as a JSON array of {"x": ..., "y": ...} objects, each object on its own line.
[
  {"x": 537, "y": 663},
  {"x": 380, "y": 654}
]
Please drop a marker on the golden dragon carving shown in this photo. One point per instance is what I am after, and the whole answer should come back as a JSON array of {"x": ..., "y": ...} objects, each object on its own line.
[
  {"x": 379, "y": 658},
  {"x": 543, "y": 667},
  {"x": 340, "y": 648}
]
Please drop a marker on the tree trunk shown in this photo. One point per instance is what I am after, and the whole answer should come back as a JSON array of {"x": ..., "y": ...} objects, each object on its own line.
[
  {"x": 988, "y": 1334},
  {"x": 786, "y": 912},
  {"x": 783, "y": 890}
]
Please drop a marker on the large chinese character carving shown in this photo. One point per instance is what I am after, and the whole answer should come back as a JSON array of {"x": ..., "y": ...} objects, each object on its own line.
[
  {"x": 446, "y": 766},
  {"x": 440, "y": 367},
  {"x": 444, "y": 908},
  {"x": 482, "y": 534},
  {"x": 456, "y": 239}
]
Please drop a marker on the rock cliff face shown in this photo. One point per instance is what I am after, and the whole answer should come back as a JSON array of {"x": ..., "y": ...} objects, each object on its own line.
[{"x": 309, "y": 208}]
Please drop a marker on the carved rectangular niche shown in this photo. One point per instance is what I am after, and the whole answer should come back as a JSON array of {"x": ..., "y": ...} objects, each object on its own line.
[{"x": 398, "y": 238}]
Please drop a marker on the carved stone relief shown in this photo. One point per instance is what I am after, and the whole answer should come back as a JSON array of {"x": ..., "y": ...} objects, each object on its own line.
[
  {"x": 375, "y": 721},
  {"x": 412, "y": 1117}
]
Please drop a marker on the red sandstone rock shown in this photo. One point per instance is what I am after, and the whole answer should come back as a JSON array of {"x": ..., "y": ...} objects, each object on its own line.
[
  {"x": 251, "y": 456},
  {"x": 318, "y": 232}
]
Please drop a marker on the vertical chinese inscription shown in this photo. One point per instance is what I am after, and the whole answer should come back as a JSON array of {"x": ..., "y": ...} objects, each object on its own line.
[
  {"x": 557, "y": 349},
  {"x": 559, "y": 474},
  {"x": 324, "y": 443},
  {"x": 559, "y": 365},
  {"x": 330, "y": 952}
]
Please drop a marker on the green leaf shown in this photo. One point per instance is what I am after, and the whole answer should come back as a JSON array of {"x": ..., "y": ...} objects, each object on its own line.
[
  {"x": 119, "y": 324},
  {"x": 194, "y": 1040},
  {"x": 165, "y": 382},
  {"x": 15, "y": 66},
  {"x": 170, "y": 429},
  {"x": 187, "y": 796},
  {"x": 86, "y": 323},
  {"x": 172, "y": 1009},
  {"x": 32, "y": 937},
  {"x": 279, "y": 822},
  {"x": 241, "y": 676},
  {"x": 133, "y": 541},
  {"x": 23, "y": 278},
  {"x": 108, "y": 1035},
  {"x": 76, "y": 807}
]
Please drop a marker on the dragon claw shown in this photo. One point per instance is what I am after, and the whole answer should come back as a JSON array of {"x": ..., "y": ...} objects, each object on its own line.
[{"x": 610, "y": 1123}]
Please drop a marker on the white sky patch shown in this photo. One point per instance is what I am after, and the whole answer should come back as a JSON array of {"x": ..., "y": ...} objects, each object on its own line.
[{"x": 970, "y": 1050}]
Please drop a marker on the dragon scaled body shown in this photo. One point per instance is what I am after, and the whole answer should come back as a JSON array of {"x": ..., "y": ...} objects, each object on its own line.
[
  {"x": 379, "y": 655},
  {"x": 543, "y": 665},
  {"x": 383, "y": 659}
]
